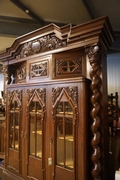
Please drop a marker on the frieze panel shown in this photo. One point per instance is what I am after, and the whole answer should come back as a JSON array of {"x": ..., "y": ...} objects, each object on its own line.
[{"x": 42, "y": 44}]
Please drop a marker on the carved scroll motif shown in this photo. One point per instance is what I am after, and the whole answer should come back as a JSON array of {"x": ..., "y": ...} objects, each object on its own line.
[
  {"x": 94, "y": 59},
  {"x": 42, "y": 44}
]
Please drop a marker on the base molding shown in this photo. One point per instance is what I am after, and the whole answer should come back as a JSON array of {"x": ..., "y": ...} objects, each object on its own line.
[
  {"x": 1, "y": 171},
  {"x": 9, "y": 175}
]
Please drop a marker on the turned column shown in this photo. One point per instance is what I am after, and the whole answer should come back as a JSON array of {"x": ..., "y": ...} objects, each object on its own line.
[{"x": 94, "y": 55}]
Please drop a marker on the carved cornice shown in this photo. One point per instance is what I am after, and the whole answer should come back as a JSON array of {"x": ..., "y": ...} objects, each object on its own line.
[
  {"x": 93, "y": 53},
  {"x": 52, "y": 37}
]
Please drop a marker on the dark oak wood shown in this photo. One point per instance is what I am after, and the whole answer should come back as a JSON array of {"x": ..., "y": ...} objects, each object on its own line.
[
  {"x": 2, "y": 131},
  {"x": 56, "y": 103}
]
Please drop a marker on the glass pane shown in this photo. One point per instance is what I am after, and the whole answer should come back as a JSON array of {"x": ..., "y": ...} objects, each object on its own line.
[
  {"x": 16, "y": 105},
  {"x": 68, "y": 109},
  {"x": 38, "y": 107},
  {"x": 65, "y": 150},
  {"x": 32, "y": 133},
  {"x": 36, "y": 129},
  {"x": 39, "y": 136},
  {"x": 11, "y": 131},
  {"x": 60, "y": 142},
  {"x": 16, "y": 131},
  {"x": 69, "y": 142},
  {"x": 32, "y": 107},
  {"x": 60, "y": 109}
]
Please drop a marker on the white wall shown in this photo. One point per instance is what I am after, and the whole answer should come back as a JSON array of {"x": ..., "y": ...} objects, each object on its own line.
[{"x": 1, "y": 82}]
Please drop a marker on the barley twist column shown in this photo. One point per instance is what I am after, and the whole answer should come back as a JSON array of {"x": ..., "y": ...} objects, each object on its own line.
[{"x": 94, "y": 59}]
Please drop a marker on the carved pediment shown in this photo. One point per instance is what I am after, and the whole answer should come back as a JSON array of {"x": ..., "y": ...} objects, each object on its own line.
[{"x": 42, "y": 44}]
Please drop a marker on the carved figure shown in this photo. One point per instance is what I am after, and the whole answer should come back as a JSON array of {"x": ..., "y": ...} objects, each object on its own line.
[{"x": 12, "y": 79}]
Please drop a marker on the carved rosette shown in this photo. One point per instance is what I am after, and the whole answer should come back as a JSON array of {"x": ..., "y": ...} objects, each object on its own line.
[
  {"x": 42, "y": 44},
  {"x": 94, "y": 59}
]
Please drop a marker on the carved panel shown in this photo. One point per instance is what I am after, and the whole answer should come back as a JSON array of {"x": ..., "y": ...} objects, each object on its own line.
[
  {"x": 66, "y": 94},
  {"x": 39, "y": 69},
  {"x": 42, "y": 44},
  {"x": 21, "y": 74},
  {"x": 15, "y": 95},
  {"x": 69, "y": 66},
  {"x": 40, "y": 93},
  {"x": 71, "y": 92}
]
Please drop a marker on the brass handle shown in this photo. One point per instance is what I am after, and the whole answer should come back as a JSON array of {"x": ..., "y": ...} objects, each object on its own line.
[
  {"x": 21, "y": 134},
  {"x": 25, "y": 134},
  {"x": 50, "y": 158}
]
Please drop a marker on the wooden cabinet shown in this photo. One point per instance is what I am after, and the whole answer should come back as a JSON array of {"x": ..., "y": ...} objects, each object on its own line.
[
  {"x": 2, "y": 131},
  {"x": 50, "y": 122},
  {"x": 46, "y": 123}
]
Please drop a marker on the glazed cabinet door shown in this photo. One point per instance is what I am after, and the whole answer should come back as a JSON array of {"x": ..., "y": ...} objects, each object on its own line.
[
  {"x": 68, "y": 140},
  {"x": 47, "y": 132},
  {"x": 14, "y": 124},
  {"x": 35, "y": 128}
]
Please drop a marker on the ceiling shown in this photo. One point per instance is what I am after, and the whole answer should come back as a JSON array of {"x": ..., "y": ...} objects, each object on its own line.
[{"x": 18, "y": 17}]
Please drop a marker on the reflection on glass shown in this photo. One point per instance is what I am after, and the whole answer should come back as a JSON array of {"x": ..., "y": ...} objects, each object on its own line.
[
  {"x": 65, "y": 135},
  {"x": 39, "y": 136},
  {"x": 16, "y": 131},
  {"x": 14, "y": 126},
  {"x": 36, "y": 129},
  {"x": 32, "y": 134},
  {"x": 69, "y": 142},
  {"x": 60, "y": 142}
]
